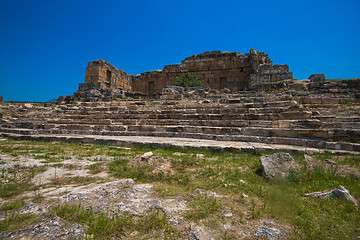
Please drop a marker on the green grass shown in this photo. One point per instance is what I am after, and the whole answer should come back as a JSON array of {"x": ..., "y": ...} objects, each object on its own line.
[
  {"x": 95, "y": 168},
  {"x": 13, "y": 205},
  {"x": 16, "y": 221},
  {"x": 101, "y": 226},
  {"x": 225, "y": 173},
  {"x": 16, "y": 180},
  {"x": 13, "y": 189},
  {"x": 202, "y": 207},
  {"x": 79, "y": 180},
  {"x": 283, "y": 200}
]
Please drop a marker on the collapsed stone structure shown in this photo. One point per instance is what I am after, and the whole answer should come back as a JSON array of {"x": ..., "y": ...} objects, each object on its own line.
[
  {"x": 242, "y": 121},
  {"x": 102, "y": 81},
  {"x": 102, "y": 74},
  {"x": 312, "y": 113},
  {"x": 226, "y": 71},
  {"x": 217, "y": 70}
]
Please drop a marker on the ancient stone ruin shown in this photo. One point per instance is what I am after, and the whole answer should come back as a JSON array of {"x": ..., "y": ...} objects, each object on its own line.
[
  {"x": 247, "y": 103},
  {"x": 217, "y": 70},
  {"x": 225, "y": 71}
]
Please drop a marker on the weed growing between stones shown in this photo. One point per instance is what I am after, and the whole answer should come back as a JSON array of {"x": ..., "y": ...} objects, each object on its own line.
[
  {"x": 13, "y": 205},
  {"x": 236, "y": 174},
  {"x": 16, "y": 221},
  {"x": 202, "y": 207},
  {"x": 102, "y": 226}
]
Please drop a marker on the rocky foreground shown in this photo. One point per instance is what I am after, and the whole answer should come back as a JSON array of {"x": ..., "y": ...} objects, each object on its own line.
[{"x": 177, "y": 194}]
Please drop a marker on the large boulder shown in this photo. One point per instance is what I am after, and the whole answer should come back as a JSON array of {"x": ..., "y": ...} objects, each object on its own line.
[{"x": 278, "y": 165}]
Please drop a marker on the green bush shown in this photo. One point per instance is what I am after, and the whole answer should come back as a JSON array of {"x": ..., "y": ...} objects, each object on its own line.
[{"x": 187, "y": 80}]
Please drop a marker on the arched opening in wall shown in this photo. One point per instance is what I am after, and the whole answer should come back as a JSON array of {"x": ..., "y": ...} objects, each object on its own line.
[{"x": 108, "y": 77}]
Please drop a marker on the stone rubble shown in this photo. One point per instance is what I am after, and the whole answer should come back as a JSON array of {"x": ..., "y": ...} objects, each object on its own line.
[
  {"x": 339, "y": 193},
  {"x": 330, "y": 165},
  {"x": 48, "y": 227}
]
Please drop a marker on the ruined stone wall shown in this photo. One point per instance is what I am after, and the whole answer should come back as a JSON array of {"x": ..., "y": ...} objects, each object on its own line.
[
  {"x": 217, "y": 70},
  {"x": 268, "y": 73},
  {"x": 100, "y": 71}
]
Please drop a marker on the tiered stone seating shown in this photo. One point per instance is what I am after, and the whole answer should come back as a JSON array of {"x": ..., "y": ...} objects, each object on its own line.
[{"x": 244, "y": 118}]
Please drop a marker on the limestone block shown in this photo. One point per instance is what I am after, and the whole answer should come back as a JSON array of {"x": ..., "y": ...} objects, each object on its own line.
[
  {"x": 319, "y": 78},
  {"x": 167, "y": 96},
  {"x": 278, "y": 165}
]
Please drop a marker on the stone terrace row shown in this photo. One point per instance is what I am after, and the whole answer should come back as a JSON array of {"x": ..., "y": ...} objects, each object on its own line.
[{"x": 272, "y": 121}]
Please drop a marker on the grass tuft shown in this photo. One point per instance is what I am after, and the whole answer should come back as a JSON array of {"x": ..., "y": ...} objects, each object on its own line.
[{"x": 202, "y": 207}]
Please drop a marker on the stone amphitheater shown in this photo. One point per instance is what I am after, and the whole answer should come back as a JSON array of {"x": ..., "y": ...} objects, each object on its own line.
[
  {"x": 308, "y": 116},
  {"x": 234, "y": 122}
]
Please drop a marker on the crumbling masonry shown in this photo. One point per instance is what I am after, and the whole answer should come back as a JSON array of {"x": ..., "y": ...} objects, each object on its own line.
[{"x": 217, "y": 70}]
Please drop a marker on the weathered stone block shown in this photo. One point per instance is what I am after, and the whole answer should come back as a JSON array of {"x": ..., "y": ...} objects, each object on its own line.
[
  {"x": 278, "y": 165},
  {"x": 318, "y": 78}
]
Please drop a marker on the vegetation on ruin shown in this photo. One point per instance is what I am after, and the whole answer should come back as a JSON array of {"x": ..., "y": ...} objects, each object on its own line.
[
  {"x": 187, "y": 80},
  {"x": 249, "y": 198},
  {"x": 103, "y": 226}
]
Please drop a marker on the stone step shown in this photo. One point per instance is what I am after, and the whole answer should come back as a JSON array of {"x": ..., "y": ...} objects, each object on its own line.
[
  {"x": 156, "y": 122},
  {"x": 332, "y": 119},
  {"x": 249, "y": 131},
  {"x": 212, "y": 99},
  {"x": 308, "y": 143},
  {"x": 177, "y": 105},
  {"x": 341, "y": 124},
  {"x": 156, "y": 142},
  {"x": 212, "y": 119},
  {"x": 212, "y": 110},
  {"x": 295, "y": 129},
  {"x": 208, "y": 110},
  {"x": 196, "y": 116},
  {"x": 331, "y": 101}
]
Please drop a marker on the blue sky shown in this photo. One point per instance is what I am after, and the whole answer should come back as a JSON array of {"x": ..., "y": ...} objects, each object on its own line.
[{"x": 45, "y": 45}]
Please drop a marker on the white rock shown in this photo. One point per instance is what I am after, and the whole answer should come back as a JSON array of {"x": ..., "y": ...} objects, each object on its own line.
[
  {"x": 147, "y": 155},
  {"x": 339, "y": 193}
]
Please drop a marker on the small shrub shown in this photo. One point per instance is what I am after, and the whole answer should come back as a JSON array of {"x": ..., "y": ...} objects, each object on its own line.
[
  {"x": 187, "y": 80},
  {"x": 294, "y": 176}
]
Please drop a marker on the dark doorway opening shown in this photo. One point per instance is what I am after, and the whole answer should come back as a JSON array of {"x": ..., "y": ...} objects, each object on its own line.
[
  {"x": 223, "y": 83},
  {"x": 108, "y": 77},
  {"x": 150, "y": 88}
]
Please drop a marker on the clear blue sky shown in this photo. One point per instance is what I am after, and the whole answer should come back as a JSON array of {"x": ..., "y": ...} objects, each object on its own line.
[{"x": 45, "y": 45}]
